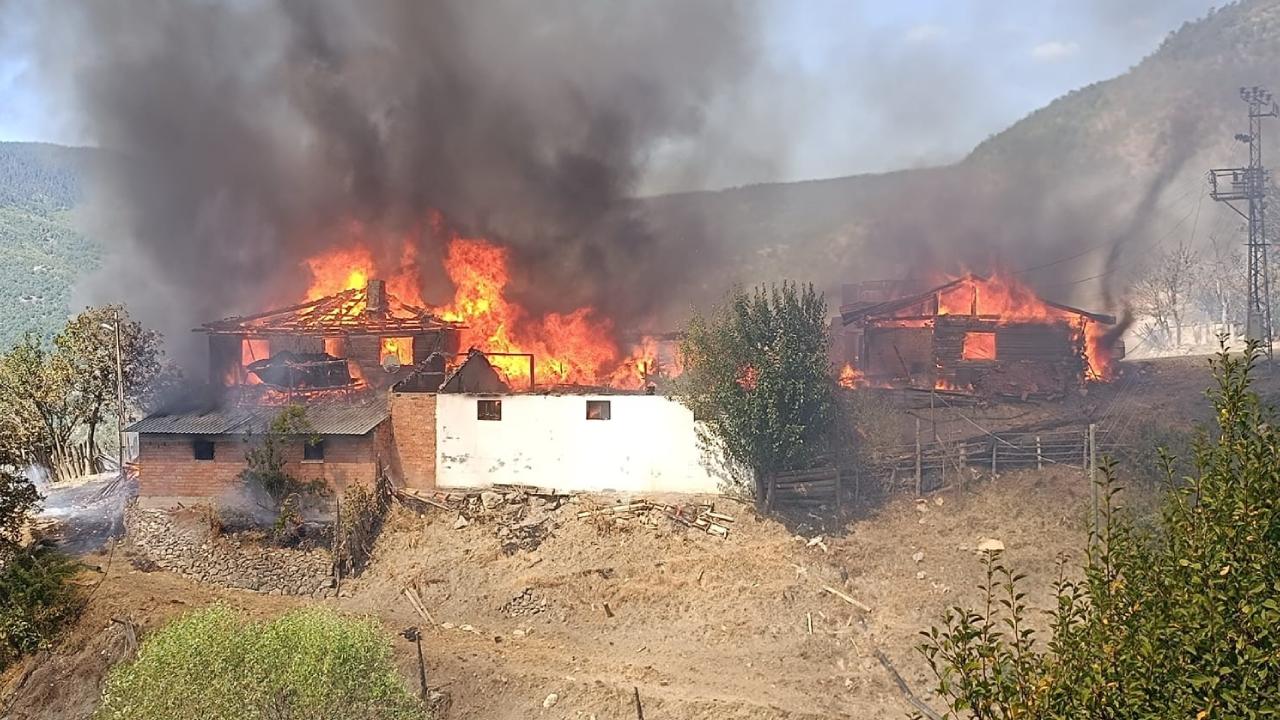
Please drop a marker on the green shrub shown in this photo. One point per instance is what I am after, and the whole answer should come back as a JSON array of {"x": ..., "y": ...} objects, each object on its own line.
[
  {"x": 37, "y": 599},
  {"x": 212, "y": 664},
  {"x": 1181, "y": 620}
]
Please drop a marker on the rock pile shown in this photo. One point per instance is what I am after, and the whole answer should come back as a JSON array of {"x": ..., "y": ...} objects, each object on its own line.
[{"x": 191, "y": 550}]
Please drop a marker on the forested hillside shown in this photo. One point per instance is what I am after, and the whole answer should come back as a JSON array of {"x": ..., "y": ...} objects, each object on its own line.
[{"x": 41, "y": 254}]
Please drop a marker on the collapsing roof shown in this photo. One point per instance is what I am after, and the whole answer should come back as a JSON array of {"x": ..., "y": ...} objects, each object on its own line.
[
  {"x": 992, "y": 335},
  {"x": 334, "y": 418},
  {"x": 369, "y": 310},
  {"x": 851, "y": 315}
]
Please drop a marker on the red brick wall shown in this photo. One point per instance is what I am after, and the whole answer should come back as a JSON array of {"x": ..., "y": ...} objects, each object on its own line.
[
  {"x": 413, "y": 439},
  {"x": 168, "y": 468}
]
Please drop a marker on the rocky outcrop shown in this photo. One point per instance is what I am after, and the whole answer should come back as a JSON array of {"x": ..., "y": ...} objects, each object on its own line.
[{"x": 179, "y": 542}]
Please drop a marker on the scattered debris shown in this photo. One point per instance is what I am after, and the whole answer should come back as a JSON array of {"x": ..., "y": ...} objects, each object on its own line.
[
  {"x": 550, "y": 700},
  {"x": 524, "y": 604},
  {"x": 918, "y": 556},
  {"x": 416, "y": 602},
  {"x": 920, "y": 575},
  {"x": 460, "y": 523},
  {"x": 818, "y": 541},
  {"x": 696, "y": 516},
  {"x": 990, "y": 545}
]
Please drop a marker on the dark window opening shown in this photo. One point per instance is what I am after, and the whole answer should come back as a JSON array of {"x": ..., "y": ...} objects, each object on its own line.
[
  {"x": 202, "y": 449},
  {"x": 598, "y": 409},
  {"x": 313, "y": 450},
  {"x": 488, "y": 409}
]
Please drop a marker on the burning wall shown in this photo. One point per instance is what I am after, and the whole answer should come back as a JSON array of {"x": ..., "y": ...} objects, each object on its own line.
[{"x": 973, "y": 333}]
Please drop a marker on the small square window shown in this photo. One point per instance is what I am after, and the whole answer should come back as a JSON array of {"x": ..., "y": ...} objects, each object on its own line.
[
  {"x": 488, "y": 409},
  {"x": 598, "y": 409},
  {"x": 313, "y": 451},
  {"x": 202, "y": 449}
]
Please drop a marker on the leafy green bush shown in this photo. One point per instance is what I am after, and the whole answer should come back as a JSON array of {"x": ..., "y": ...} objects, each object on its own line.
[
  {"x": 37, "y": 599},
  {"x": 214, "y": 665},
  {"x": 758, "y": 375},
  {"x": 1181, "y": 620},
  {"x": 266, "y": 467}
]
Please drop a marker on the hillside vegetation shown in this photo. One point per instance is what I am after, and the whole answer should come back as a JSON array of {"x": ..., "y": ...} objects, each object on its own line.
[{"x": 41, "y": 253}]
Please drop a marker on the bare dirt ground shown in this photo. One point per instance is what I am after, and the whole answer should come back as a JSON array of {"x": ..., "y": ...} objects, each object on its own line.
[{"x": 703, "y": 627}]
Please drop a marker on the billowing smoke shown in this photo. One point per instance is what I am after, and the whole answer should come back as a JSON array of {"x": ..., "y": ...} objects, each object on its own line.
[{"x": 241, "y": 137}]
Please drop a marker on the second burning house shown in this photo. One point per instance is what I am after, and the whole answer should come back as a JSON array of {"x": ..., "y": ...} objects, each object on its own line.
[{"x": 988, "y": 335}]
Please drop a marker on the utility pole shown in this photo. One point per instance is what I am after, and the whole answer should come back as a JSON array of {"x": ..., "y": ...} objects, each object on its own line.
[
  {"x": 1249, "y": 184},
  {"x": 119, "y": 400}
]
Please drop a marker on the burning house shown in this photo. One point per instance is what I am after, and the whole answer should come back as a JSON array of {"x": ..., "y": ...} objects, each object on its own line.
[
  {"x": 547, "y": 401},
  {"x": 358, "y": 337},
  {"x": 989, "y": 335}
]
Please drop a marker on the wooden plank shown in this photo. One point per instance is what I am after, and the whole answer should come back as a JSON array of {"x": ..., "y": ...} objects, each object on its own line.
[{"x": 852, "y": 601}]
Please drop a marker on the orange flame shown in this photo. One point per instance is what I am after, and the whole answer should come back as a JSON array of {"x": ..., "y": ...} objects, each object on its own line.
[
  {"x": 1003, "y": 297},
  {"x": 574, "y": 347},
  {"x": 851, "y": 377},
  {"x": 568, "y": 348},
  {"x": 1004, "y": 300}
]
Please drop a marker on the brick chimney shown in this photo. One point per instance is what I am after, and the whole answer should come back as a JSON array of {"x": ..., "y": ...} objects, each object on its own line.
[{"x": 376, "y": 298}]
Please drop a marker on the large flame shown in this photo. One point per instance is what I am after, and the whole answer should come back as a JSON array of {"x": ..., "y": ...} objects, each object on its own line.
[
  {"x": 1005, "y": 300},
  {"x": 568, "y": 348},
  {"x": 575, "y": 347}
]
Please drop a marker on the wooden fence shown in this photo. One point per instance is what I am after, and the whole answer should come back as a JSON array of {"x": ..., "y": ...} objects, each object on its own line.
[{"x": 928, "y": 463}]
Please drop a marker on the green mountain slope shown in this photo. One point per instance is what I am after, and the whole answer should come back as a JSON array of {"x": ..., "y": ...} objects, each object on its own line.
[{"x": 41, "y": 253}]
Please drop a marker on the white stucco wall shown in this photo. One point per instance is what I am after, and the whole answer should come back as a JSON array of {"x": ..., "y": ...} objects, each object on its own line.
[{"x": 649, "y": 444}]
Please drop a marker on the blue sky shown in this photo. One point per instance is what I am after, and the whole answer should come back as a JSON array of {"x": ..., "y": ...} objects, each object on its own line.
[{"x": 847, "y": 86}]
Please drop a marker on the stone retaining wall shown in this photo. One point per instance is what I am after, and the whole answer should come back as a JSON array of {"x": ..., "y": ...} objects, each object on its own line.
[{"x": 181, "y": 542}]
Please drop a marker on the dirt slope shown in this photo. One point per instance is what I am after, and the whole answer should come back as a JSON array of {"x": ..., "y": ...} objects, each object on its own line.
[{"x": 703, "y": 627}]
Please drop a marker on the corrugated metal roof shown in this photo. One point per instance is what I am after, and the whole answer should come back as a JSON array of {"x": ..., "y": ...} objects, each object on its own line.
[{"x": 325, "y": 419}]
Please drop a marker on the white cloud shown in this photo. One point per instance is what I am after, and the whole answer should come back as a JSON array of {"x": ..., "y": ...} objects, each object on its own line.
[
  {"x": 1054, "y": 50},
  {"x": 925, "y": 33}
]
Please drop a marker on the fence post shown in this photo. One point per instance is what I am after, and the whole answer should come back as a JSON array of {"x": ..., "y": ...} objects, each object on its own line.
[
  {"x": 995, "y": 442},
  {"x": 1039, "y": 457},
  {"x": 1093, "y": 477},
  {"x": 918, "y": 480},
  {"x": 1084, "y": 452}
]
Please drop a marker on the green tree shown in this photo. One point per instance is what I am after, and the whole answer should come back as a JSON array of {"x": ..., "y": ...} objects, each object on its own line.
[
  {"x": 88, "y": 346},
  {"x": 48, "y": 396},
  {"x": 267, "y": 462},
  {"x": 212, "y": 664},
  {"x": 37, "y": 600},
  {"x": 758, "y": 375},
  {"x": 37, "y": 597},
  {"x": 1179, "y": 620}
]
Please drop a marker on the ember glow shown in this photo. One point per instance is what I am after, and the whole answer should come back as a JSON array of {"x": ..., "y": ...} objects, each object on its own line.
[
  {"x": 975, "y": 311},
  {"x": 851, "y": 377},
  {"x": 576, "y": 347},
  {"x": 568, "y": 348},
  {"x": 1004, "y": 298}
]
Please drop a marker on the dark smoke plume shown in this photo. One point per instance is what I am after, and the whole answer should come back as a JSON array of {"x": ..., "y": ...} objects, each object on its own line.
[{"x": 241, "y": 137}]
